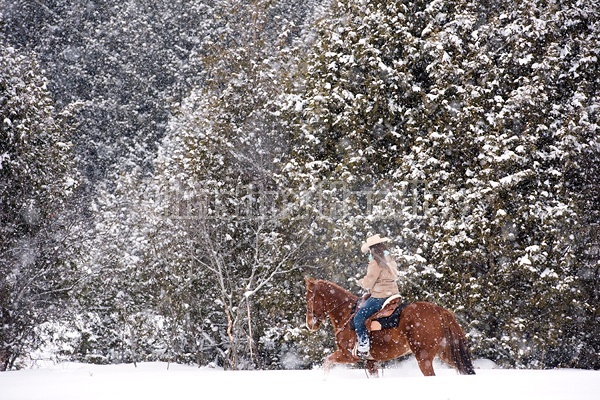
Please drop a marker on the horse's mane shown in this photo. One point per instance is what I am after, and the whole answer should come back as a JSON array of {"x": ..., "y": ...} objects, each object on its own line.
[{"x": 337, "y": 287}]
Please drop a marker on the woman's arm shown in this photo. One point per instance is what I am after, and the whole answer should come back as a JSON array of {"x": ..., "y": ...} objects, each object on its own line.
[{"x": 373, "y": 271}]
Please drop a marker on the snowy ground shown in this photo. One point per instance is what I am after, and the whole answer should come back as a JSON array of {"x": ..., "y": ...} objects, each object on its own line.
[{"x": 404, "y": 381}]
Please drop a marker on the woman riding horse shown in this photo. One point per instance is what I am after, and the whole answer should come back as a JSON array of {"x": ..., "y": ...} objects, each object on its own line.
[{"x": 424, "y": 329}]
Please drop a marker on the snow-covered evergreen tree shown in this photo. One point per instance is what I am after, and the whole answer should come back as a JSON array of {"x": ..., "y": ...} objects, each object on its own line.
[
  {"x": 197, "y": 243},
  {"x": 461, "y": 123},
  {"x": 218, "y": 163},
  {"x": 37, "y": 179}
]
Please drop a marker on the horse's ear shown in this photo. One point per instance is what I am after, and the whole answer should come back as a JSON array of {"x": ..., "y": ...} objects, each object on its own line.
[{"x": 308, "y": 280}]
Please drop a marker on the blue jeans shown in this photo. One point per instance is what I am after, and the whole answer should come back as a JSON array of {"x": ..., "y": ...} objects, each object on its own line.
[{"x": 368, "y": 308}]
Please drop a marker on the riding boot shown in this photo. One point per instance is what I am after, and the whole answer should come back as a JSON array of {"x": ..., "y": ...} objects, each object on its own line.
[{"x": 362, "y": 350}]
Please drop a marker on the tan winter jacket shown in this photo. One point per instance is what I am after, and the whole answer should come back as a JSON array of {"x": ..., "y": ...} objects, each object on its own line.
[{"x": 381, "y": 281}]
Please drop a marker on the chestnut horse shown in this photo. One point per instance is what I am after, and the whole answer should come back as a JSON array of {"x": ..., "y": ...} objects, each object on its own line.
[{"x": 425, "y": 329}]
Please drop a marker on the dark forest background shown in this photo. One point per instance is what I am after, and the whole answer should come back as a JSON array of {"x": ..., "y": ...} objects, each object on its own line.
[{"x": 170, "y": 171}]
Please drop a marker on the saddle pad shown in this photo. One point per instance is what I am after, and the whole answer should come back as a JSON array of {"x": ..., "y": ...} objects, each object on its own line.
[{"x": 390, "y": 321}]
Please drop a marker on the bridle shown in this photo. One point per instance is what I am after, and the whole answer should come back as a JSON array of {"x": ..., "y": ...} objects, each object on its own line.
[{"x": 312, "y": 306}]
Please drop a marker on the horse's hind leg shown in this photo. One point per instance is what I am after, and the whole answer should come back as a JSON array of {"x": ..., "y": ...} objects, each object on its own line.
[
  {"x": 425, "y": 355},
  {"x": 425, "y": 361},
  {"x": 372, "y": 369},
  {"x": 445, "y": 354},
  {"x": 423, "y": 330}
]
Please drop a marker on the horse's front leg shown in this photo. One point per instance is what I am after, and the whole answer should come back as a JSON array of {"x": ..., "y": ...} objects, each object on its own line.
[
  {"x": 338, "y": 357},
  {"x": 343, "y": 357}
]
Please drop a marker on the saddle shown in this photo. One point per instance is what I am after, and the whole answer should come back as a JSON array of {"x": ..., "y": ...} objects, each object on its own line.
[{"x": 387, "y": 317}]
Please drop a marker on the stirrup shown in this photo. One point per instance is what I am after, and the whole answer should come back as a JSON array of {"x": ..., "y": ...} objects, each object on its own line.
[{"x": 363, "y": 355}]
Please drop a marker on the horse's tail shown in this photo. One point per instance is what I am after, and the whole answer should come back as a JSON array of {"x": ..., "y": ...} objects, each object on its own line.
[{"x": 457, "y": 342}]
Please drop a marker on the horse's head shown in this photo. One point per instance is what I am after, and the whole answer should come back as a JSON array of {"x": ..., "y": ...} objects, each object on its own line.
[
  {"x": 326, "y": 299},
  {"x": 315, "y": 305}
]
